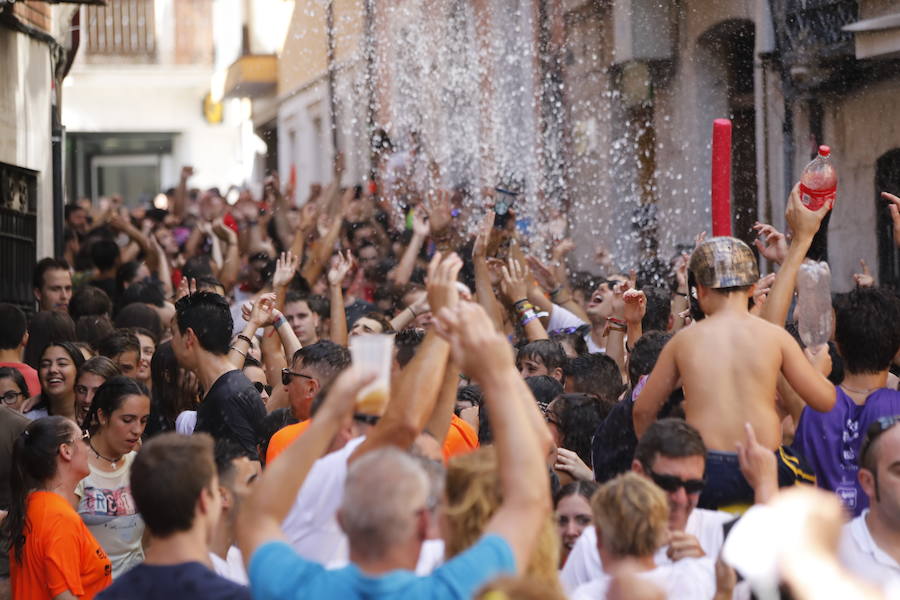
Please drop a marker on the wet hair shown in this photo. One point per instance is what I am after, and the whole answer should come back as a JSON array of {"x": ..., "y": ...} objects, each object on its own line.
[
  {"x": 645, "y": 354},
  {"x": 226, "y": 452},
  {"x": 117, "y": 343},
  {"x": 126, "y": 274},
  {"x": 867, "y": 329},
  {"x": 17, "y": 377},
  {"x": 324, "y": 357},
  {"x": 104, "y": 253},
  {"x": 140, "y": 316},
  {"x": 208, "y": 283},
  {"x": 406, "y": 342},
  {"x": 34, "y": 462},
  {"x": 147, "y": 291},
  {"x": 551, "y": 354},
  {"x": 319, "y": 304},
  {"x": 44, "y": 265},
  {"x": 632, "y": 514},
  {"x": 585, "y": 489},
  {"x": 672, "y": 438},
  {"x": 575, "y": 339},
  {"x": 99, "y": 365},
  {"x": 197, "y": 266},
  {"x": 90, "y": 329},
  {"x": 209, "y": 316},
  {"x": 47, "y": 326},
  {"x": 659, "y": 308},
  {"x": 596, "y": 374},
  {"x": 109, "y": 398},
  {"x": 14, "y": 326},
  {"x": 89, "y": 300},
  {"x": 167, "y": 398},
  {"x": 167, "y": 477},
  {"x": 295, "y": 296},
  {"x": 577, "y": 417},
  {"x": 544, "y": 389},
  {"x": 473, "y": 495}
]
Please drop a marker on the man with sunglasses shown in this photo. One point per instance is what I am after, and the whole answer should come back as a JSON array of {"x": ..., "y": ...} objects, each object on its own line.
[
  {"x": 672, "y": 454},
  {"x": 870, "y": 544}
]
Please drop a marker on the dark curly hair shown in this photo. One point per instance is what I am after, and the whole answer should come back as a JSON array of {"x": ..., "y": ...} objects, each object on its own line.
[{"x": 577, "y": 417}]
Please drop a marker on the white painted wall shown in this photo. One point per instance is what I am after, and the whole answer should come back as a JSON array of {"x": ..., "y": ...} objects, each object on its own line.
[{"x": 25, "y": 80}]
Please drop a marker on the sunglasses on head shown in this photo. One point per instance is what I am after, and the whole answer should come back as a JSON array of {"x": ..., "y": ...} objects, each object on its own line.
[
  {"x": 670, "y": 483},
  {"x": 878, "y": 426},
  {"x": 260, "y": 387}
]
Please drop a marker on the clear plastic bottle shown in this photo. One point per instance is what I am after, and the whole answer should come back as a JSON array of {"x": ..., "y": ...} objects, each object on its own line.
[
  {"x": 818, "y": 183},
  {"x": 815, "y": 320}
]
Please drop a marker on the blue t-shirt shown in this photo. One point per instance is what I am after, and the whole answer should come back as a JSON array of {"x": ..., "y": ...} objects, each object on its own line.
[
  {"x": 830, "y": 442},
  {"x": 173, "y": 582},
  {"x": 276, "y": 571}
]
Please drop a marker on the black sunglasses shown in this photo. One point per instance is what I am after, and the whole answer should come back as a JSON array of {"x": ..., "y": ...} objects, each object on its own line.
[
  {"x": 878, "y": 426},
  {"x": 260, "y": 387},
  {"x": 366, "y": 419},
  {"x": 287, "y": 375},
  {"x": 670, "y": 483}
]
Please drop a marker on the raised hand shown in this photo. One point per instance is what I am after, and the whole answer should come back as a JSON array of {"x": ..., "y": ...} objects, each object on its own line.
[
  {"x": 773, "y": 246},
  {"x": 343, "y": 392},
  {"x": 185, "y": 288},
  {"x": 864, "y": 279},
  {"x": 761, "y": 292},
  {"x": 544, "y": 275},
  {"x": 420, "y": 224},
  {"x": 513, "y": 282},
  {"x": 338, "y": 271},
  {"x": 562, "y": 249},
  {"x": 441, "y": 282},
  {"x": 263, "y": 312},
  {"x": 483, "y": 237},
  {"x": 223, "y": 232},
  {"x": 439, "y": 216},
  {"x": 635, "y": 306},
  {"x": 285, "y": 267},
  {"x": 804, "y": 222},
  {"x": 681, "y": 270},
  {"x": 308, "y": 217}
]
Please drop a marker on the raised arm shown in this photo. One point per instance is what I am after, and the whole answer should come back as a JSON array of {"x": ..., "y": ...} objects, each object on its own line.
[
  {"x": 484, "y": 291},
  {"x": 515, "y": 291},
  {"x": 486, "y": 356},
  {"x": 803, "y": 377},
  {"x": 403, "y": 271},
  {"x": 414, "y": 396},
  {"x": 804, "y": 223},
  {"x": 660, "y": 384},
  {"x": 336, "y": 275},
  {"x": 274, "y": 492}
]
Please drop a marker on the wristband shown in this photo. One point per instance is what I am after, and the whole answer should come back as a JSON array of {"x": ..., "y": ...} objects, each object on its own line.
[
  {"x": 617, "y": 321},
  {"x": 682, "y": 294},
  {"x": 279, "y": 322},
  {"x": 527, "y": 317},
  {"x": 409, "y": 308},
  {"x": 558, "y": 289},
  {"x": 522, "y": 304},
  {"x": 241, "y": 336},
  {"x": 542, "y": 315},
  {"x": 244, "y": 354}
]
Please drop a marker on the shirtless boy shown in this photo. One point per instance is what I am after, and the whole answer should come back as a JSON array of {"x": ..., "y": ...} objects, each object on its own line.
[{"x": 728, "y": 365}]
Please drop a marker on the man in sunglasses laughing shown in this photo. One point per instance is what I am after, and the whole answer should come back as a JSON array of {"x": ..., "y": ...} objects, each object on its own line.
[{"x": 672, "y": 454}]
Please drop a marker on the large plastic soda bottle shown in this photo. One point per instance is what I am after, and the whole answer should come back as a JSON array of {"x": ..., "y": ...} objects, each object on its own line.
[
  {"x": 818, "y": 182},
  {"x": 815, "y": 321}
]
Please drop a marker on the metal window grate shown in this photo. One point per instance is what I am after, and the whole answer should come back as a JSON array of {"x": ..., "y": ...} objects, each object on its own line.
[{"x": 18, "y": 234}]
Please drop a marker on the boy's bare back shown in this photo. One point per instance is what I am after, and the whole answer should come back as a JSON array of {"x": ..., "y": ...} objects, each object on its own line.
[{"x": 729, "y": 365}]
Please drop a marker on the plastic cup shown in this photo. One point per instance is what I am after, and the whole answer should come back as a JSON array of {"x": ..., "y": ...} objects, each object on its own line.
[{"x": 374, "y": 354}]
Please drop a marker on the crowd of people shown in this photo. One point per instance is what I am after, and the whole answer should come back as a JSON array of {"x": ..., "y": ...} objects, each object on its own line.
[{"x": 180, "y": 414}]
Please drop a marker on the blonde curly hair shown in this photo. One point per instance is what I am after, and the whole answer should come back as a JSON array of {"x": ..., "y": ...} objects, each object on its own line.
[
  {"x": 631, "y": 514},
  {"x": 473, "y": 496}
]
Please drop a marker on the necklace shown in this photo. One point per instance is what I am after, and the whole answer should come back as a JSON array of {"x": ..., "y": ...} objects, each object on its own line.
[
  {"x": 111, "y": 461},
  {"x": 852, "y": 391}
]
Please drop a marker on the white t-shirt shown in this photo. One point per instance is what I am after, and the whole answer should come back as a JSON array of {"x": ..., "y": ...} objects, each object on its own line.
[
  {"x": 311, "y": 527},
  {"x": 108, "y": 509},
  {"x": 186, "y": 421},
  {"x": 561, "y": 318},
  {"x": 862, "y": 557},
  {"x": 583, "y": 564},
  {"x": 687, "y": 579},
  {"x": 232, "y": 568}
]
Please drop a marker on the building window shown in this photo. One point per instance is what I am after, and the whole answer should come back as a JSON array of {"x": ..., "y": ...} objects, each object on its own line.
[
  {"x": 122, "y": 28},
  {"x": 887, "y": 179},
  {"x": 18, "y": 232}
]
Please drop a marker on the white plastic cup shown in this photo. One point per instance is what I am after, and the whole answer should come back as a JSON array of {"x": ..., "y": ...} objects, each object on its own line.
[{"x": 374, "y": 353}]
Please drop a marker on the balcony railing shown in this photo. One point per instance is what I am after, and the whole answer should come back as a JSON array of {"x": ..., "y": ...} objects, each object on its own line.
[{"x": 122, "y": 28}]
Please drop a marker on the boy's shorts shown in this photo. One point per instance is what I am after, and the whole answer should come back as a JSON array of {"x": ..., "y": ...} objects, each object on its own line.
[{"x": 727, "y": 489}]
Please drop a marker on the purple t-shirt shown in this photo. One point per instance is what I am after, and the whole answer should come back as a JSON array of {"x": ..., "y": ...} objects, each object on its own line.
[{"x": 831, "y": 442}]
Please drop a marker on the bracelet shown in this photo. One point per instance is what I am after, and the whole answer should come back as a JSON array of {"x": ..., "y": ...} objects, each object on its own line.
[
  {"x": 682, "y": 294},
  {"x": 279, "y": 322},
  {"x": 614, "y": 327},
  {"x": 542, "y": 315},
  {"x": 519, "y": 304},
  {"x": 409, "y": 308},
  {"x": 244, "y": 354},
  {"x": 556, "y": 291},
  {"x": 617, "y": 321},
  {"x": 527, "y": 317},
  {"x": 241, "y": 336}
]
